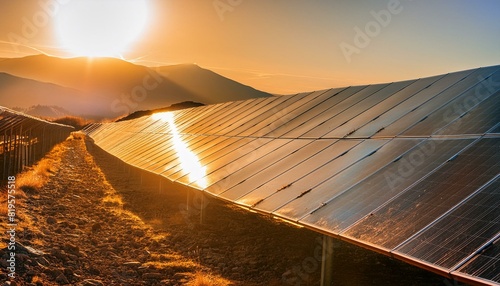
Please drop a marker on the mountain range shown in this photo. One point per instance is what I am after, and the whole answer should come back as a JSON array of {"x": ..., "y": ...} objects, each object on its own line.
[
  {"x": 45, "y": 111},
  {"x": 110, "y": 87}
]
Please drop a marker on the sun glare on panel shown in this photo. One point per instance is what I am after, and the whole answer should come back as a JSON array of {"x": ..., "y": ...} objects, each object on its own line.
[
  {"x": 97, "y": 28},
  {"x": 189, "y": 161}
]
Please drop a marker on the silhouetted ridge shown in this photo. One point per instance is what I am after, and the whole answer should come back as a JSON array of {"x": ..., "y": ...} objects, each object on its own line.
[{"x": 176, "y": 106}]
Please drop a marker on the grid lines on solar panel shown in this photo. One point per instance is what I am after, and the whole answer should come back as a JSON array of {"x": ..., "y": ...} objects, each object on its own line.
[
  {"x": 400, "y": 117},
  {"x": 461, "y": 232},
  {"x": 381, "y": 187},
  {"x": 486, "y": 264},
  {"x": 430, "y": 198},
  {"x": 344, "y": 181}
]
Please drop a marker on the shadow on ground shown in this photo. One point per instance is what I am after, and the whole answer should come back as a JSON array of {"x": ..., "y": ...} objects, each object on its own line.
[{"x": 245, "y": 247}]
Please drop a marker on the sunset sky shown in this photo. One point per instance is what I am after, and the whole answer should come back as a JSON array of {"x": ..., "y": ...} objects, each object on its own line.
[{"x": 281, "y": 46}]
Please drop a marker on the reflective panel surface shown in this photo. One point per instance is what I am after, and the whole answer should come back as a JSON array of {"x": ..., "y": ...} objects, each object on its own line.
[{"x": 410, "y": 168}]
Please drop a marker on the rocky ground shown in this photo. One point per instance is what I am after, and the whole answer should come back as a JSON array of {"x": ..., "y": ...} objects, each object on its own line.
[{"x": 99, "y": 222}]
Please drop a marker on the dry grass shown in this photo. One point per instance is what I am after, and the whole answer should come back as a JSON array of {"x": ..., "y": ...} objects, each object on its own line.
[
  {"x": 34, "y": 178},
  {"x": 113, "y": 200},
  {"x": 77, "y": 122},
  {"x": 3, "y": 201},
  {"x": 78, "y": 135},
  {"x": 165, "y": 257},
  {"x": 37, "y": 280},
  {"x": 30, "y": 181},
  {"x": 177, "y": 265},
  {"x": 206, "y": 279}
]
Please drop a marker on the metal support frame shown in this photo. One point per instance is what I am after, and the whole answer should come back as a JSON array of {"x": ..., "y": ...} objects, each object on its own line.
[
  {"x": 25, "y": 139},
  {"x": 327, "y": 261},
  {"x": 202, "y": 208}
]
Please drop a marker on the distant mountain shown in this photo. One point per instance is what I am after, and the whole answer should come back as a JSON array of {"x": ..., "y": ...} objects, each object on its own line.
[
  {"x": 24, "y": 93},
  {"x": 114, "y": 87},
  {"x": 206, "y": 84},
  {"x": 97, "y": 75},
  {"x": 45, "y": 111}
]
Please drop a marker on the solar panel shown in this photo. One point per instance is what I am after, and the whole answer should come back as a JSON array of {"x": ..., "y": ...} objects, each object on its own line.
[
  {"x": 251, "y": 152},
  {"x": 346, "y": 121},
  {"x": 484, "y": 265},
  {"x": 495, "y": 129},
  {"x": 367, "y": 195},
  {"x": 426, "y": 201},
  {"x": 307, "y": 157},
  {"x": 408, "y": 168},
  {"x": 273, "y": 112},
  {"x": 338, "y": 184},
  {"x": 292, "y": 183},
  {"x": 418, "y": 112},
  {"x": 460, "y": 232},
  {"x": 478, "y": 120},
  {"x": 340, "y": 112},
  {"x": 369, "y": 116},
  {"x": 322, "y": 174},
  {"x": 397, "y": 119},
  {"x": 281, "y": 114},
  {"x": 212, "y": 152},
  {"x": 255, "y": 162},
  {"x": 453, "y": 109},
  {"x": 298, "y": 125}
]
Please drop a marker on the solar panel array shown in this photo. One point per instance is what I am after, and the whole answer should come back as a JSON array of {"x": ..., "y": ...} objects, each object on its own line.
[
  {"x": 25, "y": 139},
  {"x": 410, "y": 169}
]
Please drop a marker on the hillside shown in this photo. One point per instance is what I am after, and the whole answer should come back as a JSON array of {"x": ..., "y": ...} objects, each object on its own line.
[
  {"x": 21, "y": 92},
  {"x": 173, "y": 107},
  {"x": 45, "y": 111},
  {"x": 114, "y": 87},
  {"x": 206, "y": 84}
]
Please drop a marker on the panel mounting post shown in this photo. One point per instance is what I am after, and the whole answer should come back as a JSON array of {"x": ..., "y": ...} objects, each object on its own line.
[
  {"x": 202, "y": 208},
  {"x": 327, "y": 261}
]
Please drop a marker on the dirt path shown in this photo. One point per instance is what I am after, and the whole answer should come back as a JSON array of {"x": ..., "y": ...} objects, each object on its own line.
[
  {"x": 94, "y": 223},
  {"x": 99, "y": 222}
]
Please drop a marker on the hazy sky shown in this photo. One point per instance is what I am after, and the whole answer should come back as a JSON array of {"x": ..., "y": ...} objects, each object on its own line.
[{"x": 283, "y": 46}]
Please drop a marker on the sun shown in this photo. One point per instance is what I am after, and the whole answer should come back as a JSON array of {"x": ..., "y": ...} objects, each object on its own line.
[{"x": 100, "y": 28}]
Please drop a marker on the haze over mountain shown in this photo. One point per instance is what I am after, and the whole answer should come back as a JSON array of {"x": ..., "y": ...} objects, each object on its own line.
[
  {"x": 21, "y": 92},
  {"x": 45, "y": 111},
  {"x": 111, "y": 87}
]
